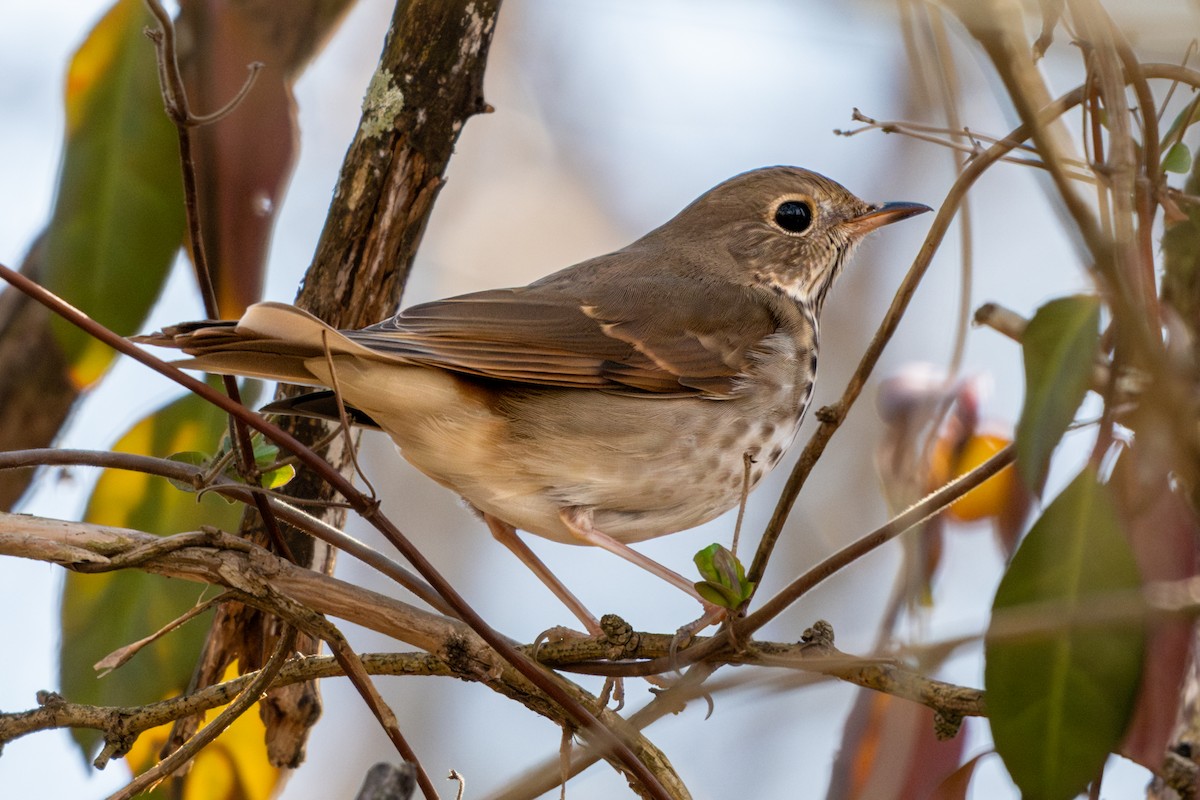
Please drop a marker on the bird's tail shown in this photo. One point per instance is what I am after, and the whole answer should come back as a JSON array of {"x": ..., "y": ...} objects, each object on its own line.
[{"x": 274, "y": 341}]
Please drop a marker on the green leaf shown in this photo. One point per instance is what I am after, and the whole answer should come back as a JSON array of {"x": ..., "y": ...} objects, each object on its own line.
[
  {"x": 118, "y": 216},
  {"x": 1177, "y": 159},
  {"x": 193, "y": 458},
  {"x": 724, "y": 576},
  {"x": 105, "y": 611},
  {"x": 1060, "y": 346},
  {"x": 1183, "y": 120},
  {"x": 266, "y": 453},
  {"x": 273, "y": 479},
  {"x": 1059, "y": 702}
]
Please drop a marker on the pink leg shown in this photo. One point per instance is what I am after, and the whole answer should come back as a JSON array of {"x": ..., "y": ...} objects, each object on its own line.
[
  {"x": 579, "y": 522},
  {"x": 506, "y": 535}
]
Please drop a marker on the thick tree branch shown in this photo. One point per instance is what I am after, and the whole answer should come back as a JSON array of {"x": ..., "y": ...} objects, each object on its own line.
[{"x": 262, "y": 578}]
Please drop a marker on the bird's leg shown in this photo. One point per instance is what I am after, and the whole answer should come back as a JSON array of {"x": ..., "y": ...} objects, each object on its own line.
[
  {"x": 579, "y": 523},
  {"x": 506, "y": 535},
  {"x": 614, "y": 688}
]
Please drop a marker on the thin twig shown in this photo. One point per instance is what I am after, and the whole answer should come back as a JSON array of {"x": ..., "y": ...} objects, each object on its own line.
[
  {"x": 745, "y": 627},
  {"x": 265, "y": 581},
  {"x": 831, "y": 417},
  {"x": 343, "y": 417},
  {"x": 747, "y": 463},
  {"x": 252, "y": 70},
  {"x": 319, "y": 627},
  {"x": 121, "y": 655},
  {"x": 175, "y": 100},
  {"x": 915, "y": 514},
  {"x": 949, "y": 138}
]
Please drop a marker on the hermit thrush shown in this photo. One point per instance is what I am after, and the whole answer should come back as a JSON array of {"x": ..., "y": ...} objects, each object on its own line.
[{"x": 610, "y": 402}]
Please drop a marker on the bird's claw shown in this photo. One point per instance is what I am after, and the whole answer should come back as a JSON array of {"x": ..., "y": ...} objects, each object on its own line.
[
  {"x": 683, "y": 637},
  {"x": 560, "y": 633}
]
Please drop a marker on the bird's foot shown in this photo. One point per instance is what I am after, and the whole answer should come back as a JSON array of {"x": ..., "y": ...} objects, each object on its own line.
[
  {"x": 561, "y": 633},
  {"x": 613, "y": 691},
  {"x": 683, "y": 637},
  {"x": 620, "y": 640}
]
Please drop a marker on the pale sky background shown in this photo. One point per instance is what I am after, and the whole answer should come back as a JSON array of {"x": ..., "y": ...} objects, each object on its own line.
[{"x": 610, "y": 118}]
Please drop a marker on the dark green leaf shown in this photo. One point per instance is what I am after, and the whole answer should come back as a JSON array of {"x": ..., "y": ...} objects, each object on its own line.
[
  {"x": 1060, "y": 346},
  {"x": 105, "y": 611},
  {"x": 1183, "y": 120},
  {"x": 1059, "y": 702},
  {"x": 118, "y": 216},
  {"x": 1177, "y": 159}
]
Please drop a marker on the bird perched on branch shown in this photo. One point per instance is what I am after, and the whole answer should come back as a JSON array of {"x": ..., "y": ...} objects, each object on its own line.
[{"x": 617, "y": 400}]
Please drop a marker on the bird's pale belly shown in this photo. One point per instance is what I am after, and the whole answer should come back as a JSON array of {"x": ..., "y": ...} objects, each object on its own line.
[{"x": 644, "y": 467}]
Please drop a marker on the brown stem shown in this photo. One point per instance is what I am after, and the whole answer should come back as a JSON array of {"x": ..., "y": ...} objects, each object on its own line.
[
  {"x": 917, "y": 513},
  {"x": 834, "y": 416}
]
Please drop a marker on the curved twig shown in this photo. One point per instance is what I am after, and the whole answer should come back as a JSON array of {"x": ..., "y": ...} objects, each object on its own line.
[
  {"x": 914, "y": 515},
  {"x": 831, "y": 417}
]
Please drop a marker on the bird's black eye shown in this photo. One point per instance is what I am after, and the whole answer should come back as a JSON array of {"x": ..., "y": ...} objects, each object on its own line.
[{"x": 794, "y": 216}]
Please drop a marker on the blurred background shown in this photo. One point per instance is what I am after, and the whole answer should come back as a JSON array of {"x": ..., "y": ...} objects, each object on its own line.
[{"x": 609, "y": 119}]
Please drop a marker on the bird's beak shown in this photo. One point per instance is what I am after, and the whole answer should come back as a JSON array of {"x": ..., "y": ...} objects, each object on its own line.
[{"x": 882, "y": 215}]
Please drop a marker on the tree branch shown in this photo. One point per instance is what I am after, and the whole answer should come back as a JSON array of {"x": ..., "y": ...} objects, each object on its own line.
[{"x": 262, "y": 578}]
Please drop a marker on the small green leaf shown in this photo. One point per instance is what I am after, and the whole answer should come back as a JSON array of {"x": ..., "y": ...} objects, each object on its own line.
[
  {"x": 1060, "y": 346},
  {"x": 193, "y": 458},
  {"x": 1178, "y": 159},
  {"x": 274, "y": 478},
  {"x": 704, "y": 562},
  {"x": 1059, "y": 702},
  {"x": 724, "y": 576},
  {"x": 266, "y": 453}
]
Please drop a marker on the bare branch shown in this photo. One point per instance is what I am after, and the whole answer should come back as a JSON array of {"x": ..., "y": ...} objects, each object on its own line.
[{"x": 261, "y": 579}]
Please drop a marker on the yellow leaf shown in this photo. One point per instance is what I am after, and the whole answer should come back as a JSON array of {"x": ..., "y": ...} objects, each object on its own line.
[{"x": 234, "y": 767}]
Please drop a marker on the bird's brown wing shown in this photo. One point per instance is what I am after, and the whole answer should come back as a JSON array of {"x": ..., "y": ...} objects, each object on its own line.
[{"x": 651, "y": 337}]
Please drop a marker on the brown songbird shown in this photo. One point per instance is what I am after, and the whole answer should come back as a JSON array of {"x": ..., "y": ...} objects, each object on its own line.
[{"x": 610, "y": 402}]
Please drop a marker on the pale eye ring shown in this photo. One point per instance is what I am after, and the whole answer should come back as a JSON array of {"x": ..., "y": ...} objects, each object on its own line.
[{"x": 794, "y": 216}]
